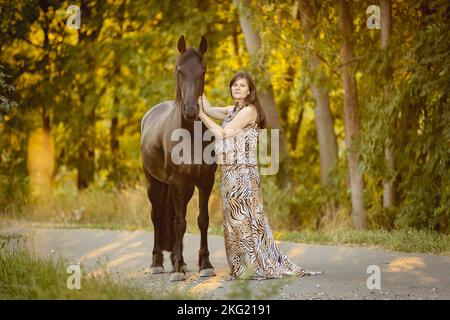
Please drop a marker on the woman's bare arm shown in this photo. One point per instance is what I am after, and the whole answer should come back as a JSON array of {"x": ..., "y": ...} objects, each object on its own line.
[
  {"x": 215, "y": 112},
  {"x": 241, "y": 120}
]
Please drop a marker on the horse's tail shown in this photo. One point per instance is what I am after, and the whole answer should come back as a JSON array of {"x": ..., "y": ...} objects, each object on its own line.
[{"x": 167, "y": 234}]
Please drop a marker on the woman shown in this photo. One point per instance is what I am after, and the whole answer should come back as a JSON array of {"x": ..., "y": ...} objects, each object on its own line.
[{"x": 249, "y": 243}]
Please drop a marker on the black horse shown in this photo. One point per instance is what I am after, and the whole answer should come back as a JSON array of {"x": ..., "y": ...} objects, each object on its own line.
[{"x": 171, "y": 185}]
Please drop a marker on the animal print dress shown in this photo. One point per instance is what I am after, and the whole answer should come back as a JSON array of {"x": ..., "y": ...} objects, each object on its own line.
[{"x": 250, "y": 247}]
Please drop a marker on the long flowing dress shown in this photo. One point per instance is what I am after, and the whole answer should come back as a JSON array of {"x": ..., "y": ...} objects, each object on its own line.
[{"x": 251, "y": 250}]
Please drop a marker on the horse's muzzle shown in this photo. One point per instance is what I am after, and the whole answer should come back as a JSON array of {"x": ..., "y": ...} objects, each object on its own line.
[{"x": 190, "y": 113}]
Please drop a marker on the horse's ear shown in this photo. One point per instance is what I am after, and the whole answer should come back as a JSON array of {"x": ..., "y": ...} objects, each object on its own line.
[
  {"x": 181, "y": 44},
  {"x": 203, "y": 45}
]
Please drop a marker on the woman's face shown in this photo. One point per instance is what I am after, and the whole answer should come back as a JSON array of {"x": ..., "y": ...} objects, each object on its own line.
[{"x": 240, "y": 89}]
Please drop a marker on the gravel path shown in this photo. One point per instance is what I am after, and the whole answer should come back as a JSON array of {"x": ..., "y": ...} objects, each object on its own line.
[{"x": 128, "y": 254}]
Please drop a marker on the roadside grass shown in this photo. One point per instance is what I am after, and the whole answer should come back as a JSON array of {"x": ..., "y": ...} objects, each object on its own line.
[
  {"x": 129, "y": 209},
  {"x": 24, "y": 275},
  {"x": 125, "y": 209},
  {"x": 403, "y": 240}
]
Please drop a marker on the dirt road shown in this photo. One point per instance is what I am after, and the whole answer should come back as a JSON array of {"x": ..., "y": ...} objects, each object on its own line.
[{"x": 128, "y": 254}]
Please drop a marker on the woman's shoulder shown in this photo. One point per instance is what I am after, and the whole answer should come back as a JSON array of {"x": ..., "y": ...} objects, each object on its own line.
[
  {"x": 251, "y": 107},
  {"x": 251, "y": 110}
]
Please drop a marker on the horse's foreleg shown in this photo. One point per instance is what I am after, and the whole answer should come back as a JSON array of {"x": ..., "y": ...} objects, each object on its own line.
[
  {"x": 206, "y": 269},
  {"x": 180, "y": 195},
  {"x": 155, "y": 193}
]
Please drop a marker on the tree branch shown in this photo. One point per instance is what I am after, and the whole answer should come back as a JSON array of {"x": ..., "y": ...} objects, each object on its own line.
[{"x": 351, "y": 61}]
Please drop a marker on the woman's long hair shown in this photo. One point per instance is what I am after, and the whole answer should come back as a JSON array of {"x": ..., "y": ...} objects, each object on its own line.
[{"x": 252, "y": 98}]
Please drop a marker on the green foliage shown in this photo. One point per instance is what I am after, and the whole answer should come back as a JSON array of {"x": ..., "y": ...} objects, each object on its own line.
[
  {"x": 305, "y": 205},
  {"x": 90, "y": 87},
  {"x": 6, "y": 105},
  {"x": 415, "y": 119}
]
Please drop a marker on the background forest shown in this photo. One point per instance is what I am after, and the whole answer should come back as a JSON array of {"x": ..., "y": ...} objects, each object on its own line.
[{"x": 361, "y": 97}]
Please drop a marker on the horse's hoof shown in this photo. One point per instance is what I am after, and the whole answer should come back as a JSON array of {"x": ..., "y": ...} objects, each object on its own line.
[
  {"x": 156, "y": 270},
  {"x": 177, "y": 276},
  {"x": 185, "y": 268},
  {"x": 207, "y": 272}
]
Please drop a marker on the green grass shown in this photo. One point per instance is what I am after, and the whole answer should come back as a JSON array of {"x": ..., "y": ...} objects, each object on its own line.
[
  {"x": 404, "y": 240},
  {"x": 242, "y": 289},
  {"x": 27, "y": 276},
  {"x": 413, "y": 241},
  {"x": 129, "y": 209},
  {"x": 125, "y": 209}
]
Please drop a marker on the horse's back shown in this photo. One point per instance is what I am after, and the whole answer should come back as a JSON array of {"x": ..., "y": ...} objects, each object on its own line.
[{"x": 155, "y": 115}]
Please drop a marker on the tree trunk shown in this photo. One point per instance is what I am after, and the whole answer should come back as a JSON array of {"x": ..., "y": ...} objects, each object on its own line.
[
  {"x": 114, "y": 145},
  {"x": 266, "y": 97},
  {"x": 325, "y": 134},
  {"x": 284, "y": 104},
  {"x": 295, "y": 129},
  {"x": 281, "y": 161},
  {"x": 86, "y": 160},
  {"x": 235, "y": 40},
  {"x": 41, "y": 149},
  {"x": 351, "y": 116},
  {"x": 389, "y": 197},
  {"x": 324, "y": 121},
  {"x": 115, "y": 175}
]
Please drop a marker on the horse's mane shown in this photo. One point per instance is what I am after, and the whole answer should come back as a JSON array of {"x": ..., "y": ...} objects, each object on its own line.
[{"x": 185, "y": 56}]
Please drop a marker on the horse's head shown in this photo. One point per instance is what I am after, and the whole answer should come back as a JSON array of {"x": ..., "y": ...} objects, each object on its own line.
[{"x": 190, "y": 75}]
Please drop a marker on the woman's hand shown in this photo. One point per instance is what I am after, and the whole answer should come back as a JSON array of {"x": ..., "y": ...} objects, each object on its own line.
[{"x": 200, "y": 105}]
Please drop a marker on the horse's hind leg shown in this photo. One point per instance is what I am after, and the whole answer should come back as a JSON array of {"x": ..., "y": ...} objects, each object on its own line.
[
  {"x": 157, "y": 192},
  {"x": 180, "y": 194},
  {"x": 206, "y": 269}
]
